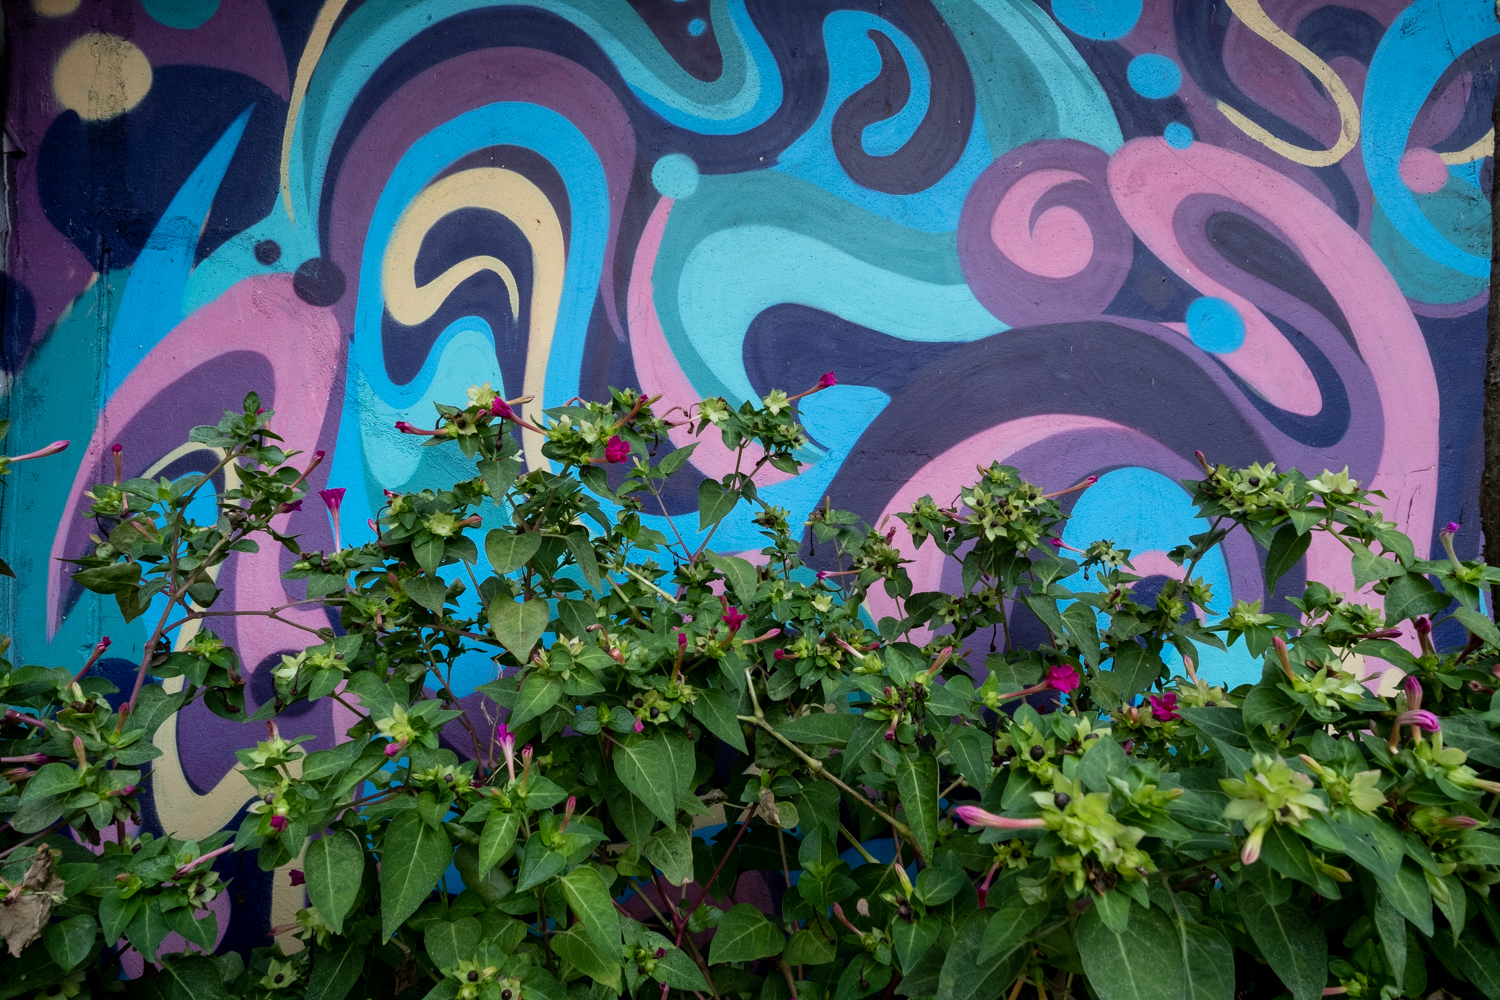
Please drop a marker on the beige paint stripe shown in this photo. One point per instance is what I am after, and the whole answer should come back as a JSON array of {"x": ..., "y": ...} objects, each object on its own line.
[{"x": 316, "y": 42}]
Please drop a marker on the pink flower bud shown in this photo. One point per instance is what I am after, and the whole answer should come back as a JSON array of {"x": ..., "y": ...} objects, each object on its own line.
[
  {"x": 116, "y": 448},
  {"x": 1413, "y": 690},
  {"x": 278, "y": 823},
  {"x": 661, "y": 953},
  {"x": 681, "y": 640},
  {"x": 640, "y": 726},
  {"x": 1451, "y": 528},
  {"x": 975, "y": 816},
  {"x": 1423, "y": 626},
  {"x": 1458, "y": 822},
  {"x": 823, "y": 574},
  {"x": 1422, "y": 719}
]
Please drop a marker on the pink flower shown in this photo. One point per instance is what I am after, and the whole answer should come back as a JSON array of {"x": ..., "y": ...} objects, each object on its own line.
[
  {"x": 1451, "y": 528},
  {"x": 116, "y": 448},
  {"x": 1164, "y": 707},
  {"x": 507, "y": 741},
  {"x": 287, "y": 508},
  {"x": 51, "y": 449},
  {"x": 334, "y": 498},
  {"x": 1062, "y": 678},
  {"x": 823, "y": 574},
  {"x": 640, "y": 726},
  {"x": 617, "y": 450},
  {"x": 500, "y": 408},
  {"x": 681, "y": 640},
  {"x": 260, "y": 411},
  {"x": 296, "y": 877},
  {"x": 975, "y": 816},
  {"x": 278, "y": 823},
  {"x": 1423, "y": 626},
  {"x": 780, "y": 654},
  {"x": 827, "y": 380},
  {"x": 733, "y": 618},
  {"x": 1413, "y": 689},
  {"x": 1056, "y": 543},
  {"x": 1421, "y": 718}
]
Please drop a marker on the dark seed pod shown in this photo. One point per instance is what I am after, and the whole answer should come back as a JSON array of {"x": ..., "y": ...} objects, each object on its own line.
[
  {"x": 1037, "y": 753},
  {"x": 1061, "y": 800}
]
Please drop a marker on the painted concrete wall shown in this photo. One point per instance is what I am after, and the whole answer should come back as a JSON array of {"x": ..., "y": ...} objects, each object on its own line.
[{"x": 1088, "y": 237}]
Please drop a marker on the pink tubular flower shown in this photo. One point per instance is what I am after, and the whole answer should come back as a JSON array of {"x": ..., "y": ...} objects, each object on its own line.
[
  {"x": 507, "y": 741},
  {"x": 975, "y": 816},
  {"x": 1250, "y": 853},
  {"x": 827, "y": 380},
  {"x": 640, "y": 726},
  {"x": 1164, "y": 707},
  {"x": 617, "y": 450},
  {"x": 406, "y": 428},
  {"x": 278, "y": 823},
  {"x": 1056, "y": 543},
  {"x": 1412, "y": 687},
  {"x": 1421, "y": 718},
  {"x": 296, "y": 877},
  {"x": 1062, "y": 678},
  {"x": 1458, "y": 822},
  {"x": 394, "y": 750},
  {"x": 287, "y": 508},
  {"x": 780, "y": 654},
  {"x": 334, "y": 498},
  {"x": 51, "y": 449},
  {"x": 500, "y": 408},
  {"x": 101, "y": 645},
  {"x": 823, "y": 574},
  {"x": 733, "y": 618}
]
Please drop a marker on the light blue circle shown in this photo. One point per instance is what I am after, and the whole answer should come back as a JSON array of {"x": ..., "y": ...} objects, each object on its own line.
[
  {"x": 183, "y": 14},
  {"x": 675, "y": 175},
  {"x": 697, "y": 26},
  {"x": 1215, "y": 325},
  {"x": 1154, "y": 76},
  {"x": 1178, "y": 135},
  {"x": 1100, "y": 19}
]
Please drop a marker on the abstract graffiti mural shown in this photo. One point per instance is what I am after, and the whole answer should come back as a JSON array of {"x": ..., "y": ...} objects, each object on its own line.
[{"x": 1084, "y": 237}]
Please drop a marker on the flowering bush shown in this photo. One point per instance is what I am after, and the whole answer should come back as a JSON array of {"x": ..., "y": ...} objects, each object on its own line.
[{"x": 697, "y": 773}]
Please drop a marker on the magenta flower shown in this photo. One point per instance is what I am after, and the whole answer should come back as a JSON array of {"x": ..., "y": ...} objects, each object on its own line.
[
  {"x": 1423, "y": 626},
  {"x": 1056, "y": 543},
  {"x": 296, "y": 877},
  {"x": 975, "y": 816},
  {"x": 780, "y": 654},
  {"x": 1164, "y": 707},
  {"x": 1421, "y": 718},
  {"x": 51, "y": 449},
  {"x": 681, "y": 640},
  {"x": 278, "y": 823},
  {"x": 640, "y": 726},
  {"x": 394, "y": 749},
  {"x": 101, "y": 645},
  {"x": 827, "y": 380},
  {"x": 1451, "y": 528},
  {"x": 617, "y": 450},
  {"x": 116, "y": 448},
  {"x": 507, "y": 741},
  {"x": 500, "y": 408},
  {"x": 287, "y": 508},
  {"x": 823, "y": 574},
  {"x": 334, "y": 498},
  {"x": 1062, "y": 678},
  {"x": 733, "y": 618},
  {"x": 1413, "y": 690}
]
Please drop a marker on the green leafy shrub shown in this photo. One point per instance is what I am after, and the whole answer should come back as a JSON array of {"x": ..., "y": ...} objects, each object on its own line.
[{"x": 1086, "y": 820}]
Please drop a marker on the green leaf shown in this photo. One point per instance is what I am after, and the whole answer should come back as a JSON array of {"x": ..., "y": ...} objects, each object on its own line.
[
  {"x": 115, "y": 578},
  {"x": 644, "y": 766},
  {"x": 428, "y": 550},
  {"x": 589, "y": 897},
  {"x": 678, "y": 971},
  {"x": 674, "y": 459},
  {"x": 1368, "y": 567},
  {"x": 1411, "y": 596},
  {"x": 1208, "y": 963},
  {"x": 1480, "y": 961},
  {"x": 937, "y": 885},
  {"x": 499, "y": 476},
  {"x": 70, "y": 941},
  {"x": 1226, "y": 724},
  {"x": 334, "y": 867},
  {"x": 1142, "y": 962},
  {"x": 717, "y": 710},
  {"x": 1287, "y": 549},
  {"x": 115, "y": 914},
  {"x": 740, "y": 574},
  {"x": 538, "y": 864},
  {"x": 201, "y": 932},
  {"x": 508, "y": 551},
  {"x": 428, "y": 591},
  {"x": 970, "y": 748},
  {"x": 49, "y": 780},
  {"x": 1008, "y": 930},
  {"x": 671, "y": 850},
  {"x": 1479, "y": 625},
  {"x": 819, "y": 728},
  {"x": 744, "y": 935},
  {"x": 335, "y": 970},
  {"x": 810, "y": 947},
  {"x": 1101, "y": 761},
  {"x": 148, "y": 929},
  {"x": 582, "y": 549},
  {"x": 714, "y": 503},
  {"x": 1289, "y": 939},
  {"x": 413, "y": 857},
  {"x": 964, "y": 976},
  {"x": 1391, "y": 926},
  {"x": 579, "y": 950},
  {"x": 539, "y": 692},
  {"x": 451, "y": 942},
  {"x": 1133, "y": 670},
  {"x": 497, "y": 839},
  {"x": 518, "y": 624},
  {"x": 1409, "y": 894},
  {"x": 195, "y": 977},
  {"x": 917, "y": 785}
]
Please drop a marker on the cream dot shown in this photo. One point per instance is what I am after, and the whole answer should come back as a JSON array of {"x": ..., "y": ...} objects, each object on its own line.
[
  {"x": 101, "y": 76},
  {"x": 54, "y": 8}
]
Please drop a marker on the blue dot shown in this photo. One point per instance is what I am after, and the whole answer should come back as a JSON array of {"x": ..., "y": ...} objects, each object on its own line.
[
  {"x": 1215, "y": 325},
  {"x": 1099, "y": 19},
  {"x": 1178, "y": 135},
  {"x": 675, "y": 175},
  {"x": 697, "y": 26},
  {"x": 1154, "y": 76}
]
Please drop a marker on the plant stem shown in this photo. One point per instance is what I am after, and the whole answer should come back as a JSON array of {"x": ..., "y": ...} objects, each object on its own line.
[{"x": 744, "y": 825}]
